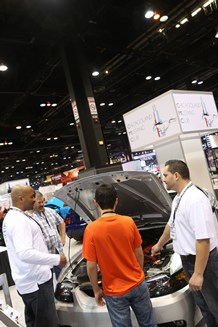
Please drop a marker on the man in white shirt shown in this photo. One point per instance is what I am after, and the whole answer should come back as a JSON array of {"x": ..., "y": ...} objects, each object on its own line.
[
  {"x": 30, "y": 260},
  {"x": 191, "y": 227}
]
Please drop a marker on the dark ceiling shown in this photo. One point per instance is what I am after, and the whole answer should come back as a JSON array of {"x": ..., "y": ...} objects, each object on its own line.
[{"x": 116, "y": 37}]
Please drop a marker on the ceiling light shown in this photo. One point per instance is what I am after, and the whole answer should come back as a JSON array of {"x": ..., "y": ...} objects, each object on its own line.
[
  {"x": 95, "y": 73},
  {"x": 71, "y": 124},
  {"x": 48, "y": 104},
  {"x": 113, "y": 121},
  {"x": 3, "y": 67},
  {"x": 42, "y": 104},
  {"x": 54, "y": 104},
  {"x": 149, "y": 14},
  {"x": 207, "y": 3},
  {"x": 18, "y": 127},
  {"x": 110, "y": 104},
  {"x": 48, "y": 138},
  {"x": 1, "y": 144},
  {"x": 10, "y": 143},
  {"x": 183, "y": 21},
  {"x": 157, "y": 78},
  {"x": 67, "y": 147},
  {"x": 106, "y": 72},
  {"x": 148, "y": 77},
  {"x": 194, "y": 81},
  {"x": 163, "y": 18},
  {"x": 156, "y": 16},
  {"x": 55, "y": 138},
  {"x": 160, "y": 30},
  {"x": 200, "y": 82},
  {"x": 28, "y": 126},
  {"x": 102, "y": 104},
  {"x": 119, "y": 121},
  {"x": 17, "y": 160},
  {"x": 195, "y": 12},
  {"x": 216, "y": 35},
  {"x": 37, "y": 151},
  {"x": 177, "y": 26}
]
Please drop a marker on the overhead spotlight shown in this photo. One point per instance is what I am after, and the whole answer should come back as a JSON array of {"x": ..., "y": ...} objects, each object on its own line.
[
  {"x": 206, "y": 4},
  {"x": 148, "y": 77},
  {"x": 28, "y": 126},
  {"x": 149, "y": 14},
  {"x": 102, "y": 104},
  {"x": 183, "y": 21},
  {"x": 194, "y": 81},
  {"x": 177, "y": 26},
  {"x": 163, "y": 19},
  {"x": 71, "y": 124},
  {"x": 3, "y": 67},
  {"x": 110, "y": 104},
  {"x": 106, "y": 72},
  {"x": 194, "y": 13},
  {"x": 42, "y": 104},
  {"x": 18, "y": 127},
  {"x": 54, "y": 104},
  {"x": 156, "y": 16},
  {"x": 200, "y": 82},
  {"x": 95, "y": 73}
]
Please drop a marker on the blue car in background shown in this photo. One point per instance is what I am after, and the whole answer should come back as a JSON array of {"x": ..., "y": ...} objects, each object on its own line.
[{"x": 75, "y": 226}]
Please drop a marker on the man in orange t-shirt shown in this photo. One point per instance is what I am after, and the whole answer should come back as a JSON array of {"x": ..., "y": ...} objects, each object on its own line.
[{"x": 113, "y": 243}]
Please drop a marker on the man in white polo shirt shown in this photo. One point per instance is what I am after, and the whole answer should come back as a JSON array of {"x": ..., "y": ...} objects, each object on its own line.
[
  {"x": 30, "y": 261},
  {"x": 191, "y": 227}
]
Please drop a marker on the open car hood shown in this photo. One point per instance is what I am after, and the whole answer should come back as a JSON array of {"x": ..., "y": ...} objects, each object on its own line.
[{"x": 141, "y": 195}]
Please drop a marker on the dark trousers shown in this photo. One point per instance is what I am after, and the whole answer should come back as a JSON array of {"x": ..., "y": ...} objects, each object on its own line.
[
  {"x": 40, "y": 308},
  {"x": 207, "y": 298}
]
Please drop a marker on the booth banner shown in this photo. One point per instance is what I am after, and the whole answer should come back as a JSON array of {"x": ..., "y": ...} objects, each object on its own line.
[
  {"x": 152, "y": 122},
  {"x": 196, "y": 111}
]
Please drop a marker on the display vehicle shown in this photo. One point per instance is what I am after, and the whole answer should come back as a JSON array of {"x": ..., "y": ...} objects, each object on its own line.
[{"x": 143, "y": 197}]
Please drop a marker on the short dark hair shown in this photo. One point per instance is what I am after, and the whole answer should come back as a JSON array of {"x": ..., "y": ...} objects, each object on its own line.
[
  {"x": 105, "y": 196},
  {"x": 178, "y": 166}
]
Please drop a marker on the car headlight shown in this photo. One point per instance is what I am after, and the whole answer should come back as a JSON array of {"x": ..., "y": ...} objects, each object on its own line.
[{"x": 163, "y": 283}]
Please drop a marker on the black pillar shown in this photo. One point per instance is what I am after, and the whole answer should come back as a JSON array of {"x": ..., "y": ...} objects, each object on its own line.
[{"x": 83, "y": 106}]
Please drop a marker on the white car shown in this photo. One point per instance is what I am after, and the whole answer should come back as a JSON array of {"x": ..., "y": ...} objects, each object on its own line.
[{"x": 141, "y": 196}]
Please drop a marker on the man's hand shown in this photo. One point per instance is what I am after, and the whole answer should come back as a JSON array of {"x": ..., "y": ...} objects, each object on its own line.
[
  {"x": 63, "y": 260},
  {"x": 196, "y": 282},
  {"x": 99, "y": 297},
  {"x": 155, "y": 250}
]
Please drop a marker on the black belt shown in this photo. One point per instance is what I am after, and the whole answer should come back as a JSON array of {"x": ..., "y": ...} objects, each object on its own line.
[{"x": 192, "y": 256}]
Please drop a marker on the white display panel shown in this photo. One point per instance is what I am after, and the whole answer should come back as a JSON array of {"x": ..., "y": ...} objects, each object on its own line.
[
  {"x": 196, "y": 111},
  {"x": 151, "y": 122}
]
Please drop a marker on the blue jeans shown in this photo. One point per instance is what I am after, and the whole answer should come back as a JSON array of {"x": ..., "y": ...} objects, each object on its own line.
[
  {"x": 139, "y": 300},
  {"x": 40, "y": 308},
  {"x": 207, "y": 298}
]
